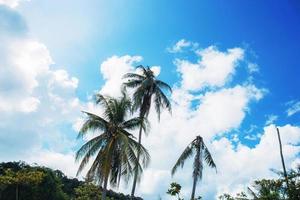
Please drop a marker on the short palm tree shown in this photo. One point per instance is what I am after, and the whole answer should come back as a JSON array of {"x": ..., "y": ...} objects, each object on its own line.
[
  {"x": 114, "y": 149},
  {"x": 147, "y": 89},
  {"x": 201, "y": 152}
]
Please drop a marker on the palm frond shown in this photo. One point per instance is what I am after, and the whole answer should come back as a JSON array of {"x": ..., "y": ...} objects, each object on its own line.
[
  {"x": 208, "y": 158},
  {"x": 164, "y": 100},
  {"x": 93, "y": 123},
  {"x": 255, "y": 197},
  {"x": 105, "y": 101},
  {"x": 132, "y": 83},
  {"x": 144, "y": 154},
  {"x": 117, "y": 151},
  {"x": 144, "y": 70},
  {"x": 90, "y": 146},
  {"x": 163, "y": 85},
  {"x": 88, "y": 150},
  {"x": 95, "y": 172},
  {"x": 133, "y": 76},
  {"x": 132, "y": 124},
  {"x": 188, "y": 152}
]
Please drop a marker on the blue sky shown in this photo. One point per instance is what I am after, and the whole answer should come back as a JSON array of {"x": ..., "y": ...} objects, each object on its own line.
[{"x": 64, "y": 51}]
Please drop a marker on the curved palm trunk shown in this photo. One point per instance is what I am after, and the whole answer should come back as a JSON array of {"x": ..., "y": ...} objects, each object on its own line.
[
  {"x": 282, "y": 159},
  {"x": 104, "y": 191},
  {"x": 197, "y": 156},
  {"x": 194, "y": 188},
  {"x": 138, "y": 160}
]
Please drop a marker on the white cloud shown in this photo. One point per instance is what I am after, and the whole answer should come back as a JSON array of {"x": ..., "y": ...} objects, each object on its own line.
[
  {"x": 180, "y": 45},
  {"x": 242, "y": 165},
  {"x": 113, "y": 69},
  {"x": 36, "y": 101},
  {"x": 253, "y": 137},
  {"x": 33, "y": 127},
  {"x": 212, "y": 69},
  {"x": 55, "y": 160},
  {"x": 294, "y": 107},
  {"x": 156, "y": 70},
  {"x": 252, "y": 133},
  {"x": 211, "y": 117},
  {"x": 271, "y": 119},
  {"x": 215, "y": 116},
  {"x": 152, "y": 179},
  {"x": 11, "y": 3},
  {"x": 25, "y": 60},
  {"x": 252, "y": 68},
  {"x": 207, "y": 115}
]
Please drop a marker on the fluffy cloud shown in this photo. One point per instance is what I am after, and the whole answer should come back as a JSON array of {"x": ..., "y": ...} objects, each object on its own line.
[
  {"x": 11, "y": 3},
  {"x": 55, "y": 160},
  {"x": 210, "y": 118},
  {"x": 241, "y": 165},
  {"x": 39, "y": 106},
  {"x": 24, "y": 61},
  {"x": 113, "y": 69},
  {"x": 212, "y": 69},
  {"x": 37, "y": 103},
  {"x": 213, "y": 113}
]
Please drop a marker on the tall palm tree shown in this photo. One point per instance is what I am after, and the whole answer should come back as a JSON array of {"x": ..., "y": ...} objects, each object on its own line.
[
  {"x": 201, "y": 152},
  {"x": 147, "y": 89},
  {"x": 282, "y": 159},
  {"x": 114, "y": 149}
]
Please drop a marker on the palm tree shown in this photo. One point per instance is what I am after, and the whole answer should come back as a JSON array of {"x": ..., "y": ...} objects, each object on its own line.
[
  {"x": 147, "y": 89},
  {"x": 201, "y": 152},
  {"x": 282, "y": 160},
  {"x": 114, "y": 149}
]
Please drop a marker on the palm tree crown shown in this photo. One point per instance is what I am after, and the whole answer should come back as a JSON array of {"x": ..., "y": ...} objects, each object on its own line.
[
  {"x": 201, "y": 152},
  {"x": 114, "y": 148},
  {"x": 146, "y": 87}
]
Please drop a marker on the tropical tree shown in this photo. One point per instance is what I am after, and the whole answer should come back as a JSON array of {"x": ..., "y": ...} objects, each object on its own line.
[
  {"x": 271, "y": 189},
  {"x": 87, "y": 191},
  {"x": 282, "y": 158},
  {"x": 147, "y": 88},
  {"x": 114, "y": 148},
  {"x": 201, "y": 152},
  {"x": 22, "y": 177},
  {"x": 174, "y": 190}
]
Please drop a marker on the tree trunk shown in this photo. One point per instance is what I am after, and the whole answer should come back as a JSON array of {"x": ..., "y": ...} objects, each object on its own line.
[
  {"x": 104, "y": 190},
  {"x": 17, "y": 192},
  {"x": 194, "y": 188},
  {"x": 138, "y": 160},
  {"x": 282, "y": 160},
  {"x": 195, "y": 173}
]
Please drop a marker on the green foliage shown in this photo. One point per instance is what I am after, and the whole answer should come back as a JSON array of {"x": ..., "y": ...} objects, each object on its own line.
[
  {"x": 199, "y": 149},
  {"x": 114, "y": 148},
  {"x": 174, "y": 190},
  {"x": 87, "y": 192},
  {"x": 271, "y": 189},
  {"x": 29, "y": 183},
  {"x": 25, "y": 177},
  {"x": 147, "y": 88},
  {"x": 40, "y": 183}
]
